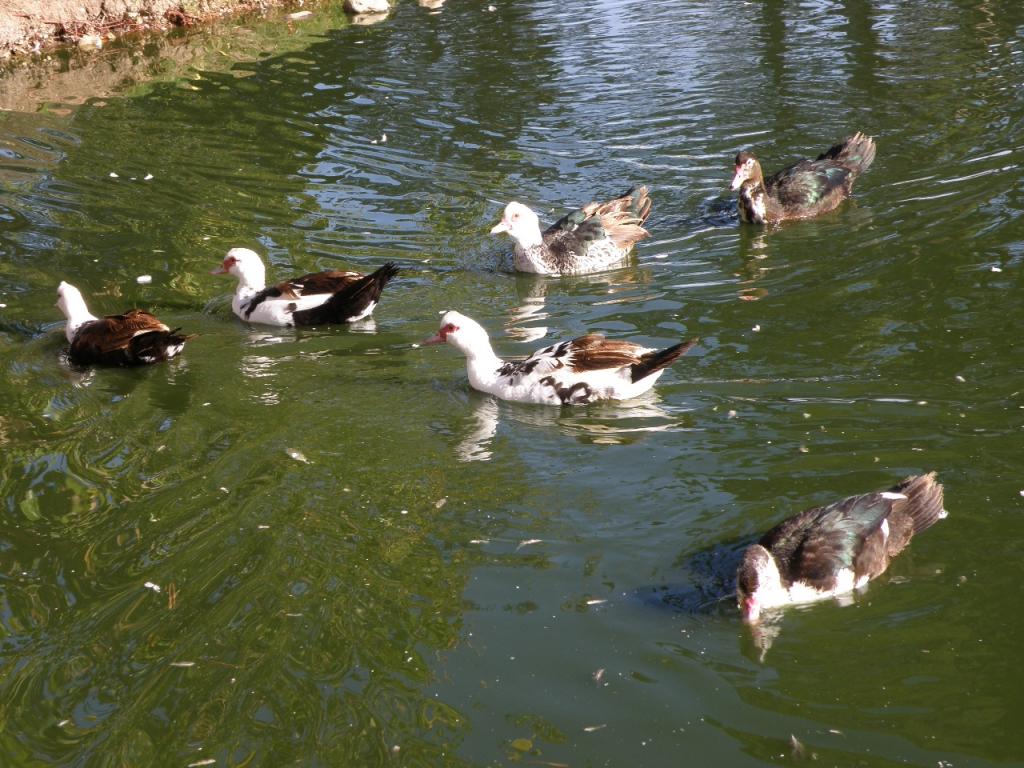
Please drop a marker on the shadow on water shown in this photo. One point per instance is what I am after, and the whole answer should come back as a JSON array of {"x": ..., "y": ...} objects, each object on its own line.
[{"x": 707, "y": 584}]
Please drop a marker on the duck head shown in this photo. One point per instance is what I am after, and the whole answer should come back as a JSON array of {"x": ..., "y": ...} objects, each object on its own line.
[
  {"x": 747, "y": 168},
  {"x": 521, "y": 223},
  {"x": 462, "y": 332},
  {"x": 244, "y": 264},
  {"x": 756, "y": 575}
]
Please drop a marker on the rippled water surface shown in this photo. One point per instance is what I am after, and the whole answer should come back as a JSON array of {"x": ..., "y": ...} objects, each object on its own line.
[{"x": 320, "y": 548}]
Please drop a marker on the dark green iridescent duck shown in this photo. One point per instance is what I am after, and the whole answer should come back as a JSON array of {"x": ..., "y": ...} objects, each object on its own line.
[{"x": 804, "y": 189}]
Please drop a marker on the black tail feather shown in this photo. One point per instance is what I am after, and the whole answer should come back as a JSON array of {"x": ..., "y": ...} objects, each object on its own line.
[
  {"x": 655, "y": 361},
  {"x": 351, "y": 301},
  {"x": 152, "y": 347}
]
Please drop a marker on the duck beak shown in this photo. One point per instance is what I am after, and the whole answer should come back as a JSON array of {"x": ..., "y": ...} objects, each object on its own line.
[
  {"x": 751, "y": 610},
  {"x": 221, "y": 270},
  {"x": 501, "y": 226},
  {"x": 437, "y": 338},
  {"x": 738, "y": 178}
]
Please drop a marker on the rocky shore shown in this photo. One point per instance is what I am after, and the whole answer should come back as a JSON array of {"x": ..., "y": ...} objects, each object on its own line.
[{"x": 30, "y": 26}]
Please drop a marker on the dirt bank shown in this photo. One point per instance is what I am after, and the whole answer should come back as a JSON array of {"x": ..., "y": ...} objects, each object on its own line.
[{"x": 32, "y": 25}]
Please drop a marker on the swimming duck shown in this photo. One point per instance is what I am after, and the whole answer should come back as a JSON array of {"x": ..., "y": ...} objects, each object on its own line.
[
  {"x": 590, "y": 239},
  {"x": 568, "y": 373},
  {"x": 828, "y": 551},
  {"x": 805, "y": 188},
  {"x": 134, "y": 338},
  {"x": 318, "y": 298}
]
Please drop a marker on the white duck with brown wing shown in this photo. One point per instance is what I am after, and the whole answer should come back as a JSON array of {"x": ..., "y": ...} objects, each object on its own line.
[
  {"x": 593, "y": 238},
  {"x": 133, "y": 338},
  {"x": 571, "y": 372},
  {"x": 319, "y": 298},
  {"x": 832, "y": 550}
]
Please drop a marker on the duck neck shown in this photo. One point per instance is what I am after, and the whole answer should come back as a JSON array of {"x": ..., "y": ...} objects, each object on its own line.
[
  {"x": 753, "y": 203},
  {"x": 249, "y": 284},
  {"x": 78, "y": 315},
  {"x": 482, "y": 364}
]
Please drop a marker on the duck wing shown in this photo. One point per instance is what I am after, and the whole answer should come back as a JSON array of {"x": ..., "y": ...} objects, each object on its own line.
[
  {"x": 331, "y": 281},
  {"x": 816, "y": 544},
  {"x": 619, "y": 220},
  {"x": 354, "y": 297},
  {"x": 594, "y": 352},
  {"x": 313, "y": 284},
  {"x": 809, "y": 183},
  {"x": 539, "y": 363}
]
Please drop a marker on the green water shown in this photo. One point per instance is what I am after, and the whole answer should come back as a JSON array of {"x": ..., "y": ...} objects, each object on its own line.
[{"x": 362, "y": 562}]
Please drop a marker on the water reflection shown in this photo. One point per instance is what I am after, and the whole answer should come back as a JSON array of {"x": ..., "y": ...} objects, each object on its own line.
[{"x": 622, "y": 422}]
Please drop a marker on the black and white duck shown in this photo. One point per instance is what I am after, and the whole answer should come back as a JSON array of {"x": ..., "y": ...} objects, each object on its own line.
[
  {"x": 804, "y": 189},
  {"x": 319, "y": 298},
  {"x": 593, "y": 238},
  {"x": 572, "y": 372},
  {"x": 832, "y": 550}
]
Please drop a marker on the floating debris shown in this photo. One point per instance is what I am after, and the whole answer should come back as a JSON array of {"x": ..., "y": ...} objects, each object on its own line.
[
  {"x": 114, "y": 175},
  {"x": 183, "y": 664},
  {"x": 960, "y": 378},
  {"x": 299, "y": 15},
  {"x": 797, "y": 749},
  {"x": 997, "y": 269},
  {"x": 198, "y": 763},
  {"x": 592, "y": 728},
  {"x": 144, "y": 279},
  {"x": 596, "y": 601},
  {"x": 297, "y": 455},
  {"x": 756, "y": 328},
  {"x": 151, "y": 585},
  {"x": 528, "y": 542},
  {"x": 598, "y": 675},
  {"x": 147, "y": 177},
  {"x": 440, "y": 502},
  {"x": 488, "y": 541}
]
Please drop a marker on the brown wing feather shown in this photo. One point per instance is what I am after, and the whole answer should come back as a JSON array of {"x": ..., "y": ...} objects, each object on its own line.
[
  {"x": 330, "y": 281},
  {"x": 114, "y": 332},
  {"x": 623, "y": 217},
  {"x": 594, "y": 352},
  {"x": 136, "y": 320}
]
